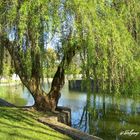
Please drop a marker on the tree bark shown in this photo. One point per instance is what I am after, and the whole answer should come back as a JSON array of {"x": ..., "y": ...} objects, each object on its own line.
[{"x": 43, "y": 101}]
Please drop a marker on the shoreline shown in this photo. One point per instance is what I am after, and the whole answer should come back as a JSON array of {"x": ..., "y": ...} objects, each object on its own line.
[
  {"x": 59, "y": 121},
  {"x": 10, "y": 84}
]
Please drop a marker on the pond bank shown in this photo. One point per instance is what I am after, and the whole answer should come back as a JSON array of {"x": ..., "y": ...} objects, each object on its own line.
[
  {"x": 65, "y": 129},
  {"x": 22, "y": 124},
  {"x": 5, "y": 103},
  {"x": 53, "y": 120}
]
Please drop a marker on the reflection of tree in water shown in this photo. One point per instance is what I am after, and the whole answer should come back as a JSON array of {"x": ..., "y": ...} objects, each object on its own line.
[
  {"x": 13, "y": 94},
  {"x": 90, "y": 117},
  {"x": 108, "y": 120}
]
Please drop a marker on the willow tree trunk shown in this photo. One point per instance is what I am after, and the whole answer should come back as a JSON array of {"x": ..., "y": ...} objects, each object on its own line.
[
  {"x": 43, "y": 101},
  {"x": 49, "y": 101}
]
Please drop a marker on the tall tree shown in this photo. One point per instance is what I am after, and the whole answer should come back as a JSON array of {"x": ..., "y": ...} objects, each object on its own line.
[
  {"x": 95, "y": 29},
  {"x": 26, "y": 28}
]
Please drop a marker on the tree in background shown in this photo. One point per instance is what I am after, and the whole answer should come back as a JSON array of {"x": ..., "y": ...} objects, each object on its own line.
[
  {"x": 98, "y": 31},
  {"x": 7, "y": 69},
  {"x": 50, "y": 62}
]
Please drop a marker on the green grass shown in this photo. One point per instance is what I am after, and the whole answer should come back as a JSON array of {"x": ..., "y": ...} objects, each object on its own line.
[{"x": 19, "y": 124}]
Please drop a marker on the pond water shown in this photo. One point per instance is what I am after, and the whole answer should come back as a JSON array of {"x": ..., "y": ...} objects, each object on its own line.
[{"x": 106, "y": 116}]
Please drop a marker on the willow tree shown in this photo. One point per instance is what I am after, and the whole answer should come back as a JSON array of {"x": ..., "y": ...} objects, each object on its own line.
[
  {"x": 26, "y": 28},
  {"x": 110, "y": 53},
  {"x": 73, "y": 26}
]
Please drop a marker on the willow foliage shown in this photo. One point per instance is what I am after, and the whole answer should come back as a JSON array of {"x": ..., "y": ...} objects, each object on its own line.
[
  {"x": 111, "y": 42},
  {"x": 107, "y": 33}
]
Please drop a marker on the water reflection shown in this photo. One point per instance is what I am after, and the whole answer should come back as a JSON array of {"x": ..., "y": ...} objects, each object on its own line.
[
  {"x": 103, "y": 115},
  {"x": 17, "y": 95},
  {"x": 106, "y": 116}
]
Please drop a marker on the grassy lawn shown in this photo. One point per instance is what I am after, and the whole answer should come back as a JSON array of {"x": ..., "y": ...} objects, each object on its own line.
[{"x": 19, "y": 124}]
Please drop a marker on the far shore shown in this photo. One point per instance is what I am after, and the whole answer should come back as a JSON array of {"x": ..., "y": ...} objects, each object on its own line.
[{"x": 10, "y": 84}]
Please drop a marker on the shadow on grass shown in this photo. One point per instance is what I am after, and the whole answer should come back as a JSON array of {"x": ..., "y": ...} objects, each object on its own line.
[
  {"x": 16, "y": 115},
  {"x": 7, "y": 125},
  {"x": 17, "y": 135},
  {"x": 20, "y": 116}
]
